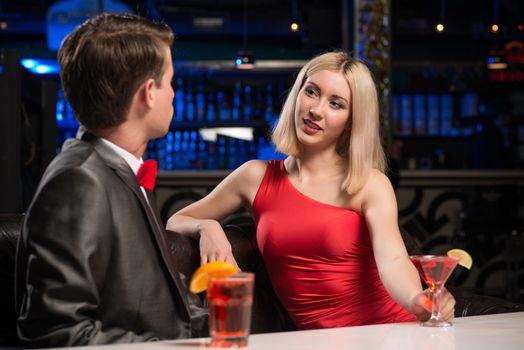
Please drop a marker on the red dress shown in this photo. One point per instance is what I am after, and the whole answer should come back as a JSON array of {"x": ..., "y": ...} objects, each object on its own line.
[{"x": 319, "y": 258}]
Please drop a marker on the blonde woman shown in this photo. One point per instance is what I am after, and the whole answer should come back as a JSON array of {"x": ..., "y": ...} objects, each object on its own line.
[{"x": 326, "y": 216}]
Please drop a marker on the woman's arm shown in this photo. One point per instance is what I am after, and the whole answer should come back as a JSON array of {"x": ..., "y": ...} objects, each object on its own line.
[
  {"x": 201, "y": 219},
  {"x": 397, "y": 273}
]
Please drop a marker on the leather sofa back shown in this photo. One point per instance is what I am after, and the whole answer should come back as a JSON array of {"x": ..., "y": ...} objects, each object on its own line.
[
  {"x": 10, "y": 226},
  {"x": 268, "y": 315}
]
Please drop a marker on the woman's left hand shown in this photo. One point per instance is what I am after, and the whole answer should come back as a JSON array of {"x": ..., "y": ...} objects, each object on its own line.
[{"x": 421, "y": 305}]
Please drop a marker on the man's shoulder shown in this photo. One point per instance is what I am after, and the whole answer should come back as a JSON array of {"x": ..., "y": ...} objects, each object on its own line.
[{"x": 76, "y": 155}]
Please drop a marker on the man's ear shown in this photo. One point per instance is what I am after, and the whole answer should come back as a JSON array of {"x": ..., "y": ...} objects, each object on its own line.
[{"x": 147, "y": 92}]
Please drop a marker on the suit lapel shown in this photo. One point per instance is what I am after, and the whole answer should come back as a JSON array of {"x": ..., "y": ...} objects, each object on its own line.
[{"x": 123, "y": 170}]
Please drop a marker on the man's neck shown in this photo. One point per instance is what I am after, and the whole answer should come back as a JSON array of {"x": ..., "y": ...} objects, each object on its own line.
[{"x": 125, "y": 137}]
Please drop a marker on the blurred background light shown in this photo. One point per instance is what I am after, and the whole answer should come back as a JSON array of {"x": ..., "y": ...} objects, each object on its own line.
[{"x": 41, "y": 66}]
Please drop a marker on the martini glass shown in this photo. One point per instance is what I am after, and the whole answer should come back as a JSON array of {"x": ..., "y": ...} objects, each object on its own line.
[{"x": 434, "y": 270}]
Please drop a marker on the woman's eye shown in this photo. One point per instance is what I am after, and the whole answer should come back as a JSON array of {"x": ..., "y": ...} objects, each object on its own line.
[
  {"x": 309, "y": 91},
  {"x": 337, "y": 105}
]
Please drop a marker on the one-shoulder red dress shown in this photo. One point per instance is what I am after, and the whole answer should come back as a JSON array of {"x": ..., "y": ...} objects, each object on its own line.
[{"x": 319, "y": 258}]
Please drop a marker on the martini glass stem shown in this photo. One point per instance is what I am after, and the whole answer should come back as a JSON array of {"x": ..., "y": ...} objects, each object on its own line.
[{"x": 435, "y": 301}]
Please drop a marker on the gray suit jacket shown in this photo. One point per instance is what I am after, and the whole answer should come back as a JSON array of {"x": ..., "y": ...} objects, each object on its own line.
[{"x": 93, "y": 264}]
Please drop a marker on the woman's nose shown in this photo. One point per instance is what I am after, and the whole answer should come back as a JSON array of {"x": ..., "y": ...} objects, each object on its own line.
[{"x": 315, "y": 111}]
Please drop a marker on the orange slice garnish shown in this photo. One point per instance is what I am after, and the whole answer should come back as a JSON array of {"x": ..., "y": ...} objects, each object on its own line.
[{"x": 199, "y": 279}]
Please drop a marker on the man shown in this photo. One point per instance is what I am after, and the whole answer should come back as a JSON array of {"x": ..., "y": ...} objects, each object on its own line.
[{"x": 93, "y": 266}]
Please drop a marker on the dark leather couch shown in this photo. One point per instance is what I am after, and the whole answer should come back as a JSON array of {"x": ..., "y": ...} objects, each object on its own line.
[
  {"x": 9, "y": 231},
  {"x": 268, "y": 313}
]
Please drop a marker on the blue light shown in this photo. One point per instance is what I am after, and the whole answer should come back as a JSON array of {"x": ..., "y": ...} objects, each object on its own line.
[
  {"x": 59, "y": 110},
  {"x": 63, "y": 16},
  {"x": 43, "y": 69},
  {"x": 41, "y": 66},
  {"x": 29, "y": 63},
  {"x": 238, "y": 61}
]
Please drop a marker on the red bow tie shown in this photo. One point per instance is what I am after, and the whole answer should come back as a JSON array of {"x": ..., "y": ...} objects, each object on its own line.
[{"x": 146, "y": 175}]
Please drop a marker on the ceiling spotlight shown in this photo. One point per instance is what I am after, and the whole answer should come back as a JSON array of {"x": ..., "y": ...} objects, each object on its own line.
[
  {"x": 495, "y": 27},
  {"x": 294, "y": 12},
  {"x": 442, "y": 18},
  {"x": 245, "y": 60}
]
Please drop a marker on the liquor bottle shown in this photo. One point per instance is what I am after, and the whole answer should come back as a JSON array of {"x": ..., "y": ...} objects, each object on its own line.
[
  {"x": 212, "y": 155},
  {"x": 179, "y": 100},
  {"x": 248, "y": 107},
  {"x": 200, "y": 103},
  {"x": 222, "y": 151},
  {"x": 192, "y": 150},
  {"x": 236, "y": 102},
  {"x": 176, "y": 150},
  {"x": 446, "y": 115},
  {"x": 224, "y": 112},
  {"x": 201, "y": 160},
  {"x": 211, "y": 114},
  {"x": 395, "y": 117},
  {"x": 419, "y": 114},
  {"x": 406, "y": 114},
  {"x": 190, "y": 102},
  {"x": 243, "y": 153},
  {"x": 161, "y": 154},
  {"x": 184, "y": 149},
  {"x": 433, "y": 115},
  {"x": 232, "y": 156},
  {"x": 268, "y": 108},
  {"x": 259, "y": 105},
  {"x": 169, "y": 151}
]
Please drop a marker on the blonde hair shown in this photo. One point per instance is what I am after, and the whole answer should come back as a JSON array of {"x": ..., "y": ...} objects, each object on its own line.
[{"x": 359, "y": 145}]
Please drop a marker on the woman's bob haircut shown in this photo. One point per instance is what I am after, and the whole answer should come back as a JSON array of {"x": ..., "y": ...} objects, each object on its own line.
[{"x": 359, "y": 145}]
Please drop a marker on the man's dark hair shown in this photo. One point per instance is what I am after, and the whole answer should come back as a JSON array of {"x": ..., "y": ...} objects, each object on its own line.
[{"x": 105, "y": 60}]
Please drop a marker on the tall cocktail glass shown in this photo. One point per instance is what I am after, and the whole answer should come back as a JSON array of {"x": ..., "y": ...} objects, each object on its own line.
[
  {"x": 230, "y": 301},
  {"x": 435, "y": 271}
]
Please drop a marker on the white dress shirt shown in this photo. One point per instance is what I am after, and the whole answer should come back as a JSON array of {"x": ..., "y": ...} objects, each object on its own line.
[{"x": 130, "y": 159}]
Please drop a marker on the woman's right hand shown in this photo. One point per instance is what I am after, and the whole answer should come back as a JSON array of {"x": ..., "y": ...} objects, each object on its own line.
[{"x": 214, "y": 245}]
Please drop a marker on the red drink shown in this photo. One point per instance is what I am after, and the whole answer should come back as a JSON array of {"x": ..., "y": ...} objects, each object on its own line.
[
  {"x": 230, "y": 299},
  {"x": 434, "y": 269}
]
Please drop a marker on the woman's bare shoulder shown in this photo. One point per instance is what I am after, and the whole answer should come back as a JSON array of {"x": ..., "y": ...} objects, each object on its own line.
[
  {"x": 377, "y": 178},
  {"x": 248, "y": 174},
  {"x": 253, "y": 168},
  {"x": 376, "y": 186}
]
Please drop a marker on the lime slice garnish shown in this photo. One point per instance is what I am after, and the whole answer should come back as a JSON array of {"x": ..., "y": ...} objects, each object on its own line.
[{"x": 463, "y": 257}]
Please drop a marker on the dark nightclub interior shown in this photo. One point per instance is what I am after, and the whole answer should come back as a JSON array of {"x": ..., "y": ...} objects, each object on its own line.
[{"x": 452, "y": 106}]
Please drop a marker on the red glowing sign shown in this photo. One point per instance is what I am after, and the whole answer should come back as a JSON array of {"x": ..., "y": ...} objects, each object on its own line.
[
  {"x": 513, "y": 69},
  {"x": 514, "y": 52}
]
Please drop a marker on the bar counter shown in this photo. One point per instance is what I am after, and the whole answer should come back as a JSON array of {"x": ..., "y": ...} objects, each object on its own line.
[{"x": 500, "y": 331}]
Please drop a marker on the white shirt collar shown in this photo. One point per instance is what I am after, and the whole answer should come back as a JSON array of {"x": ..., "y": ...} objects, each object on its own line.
[{"x": 133, "y": 162}]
